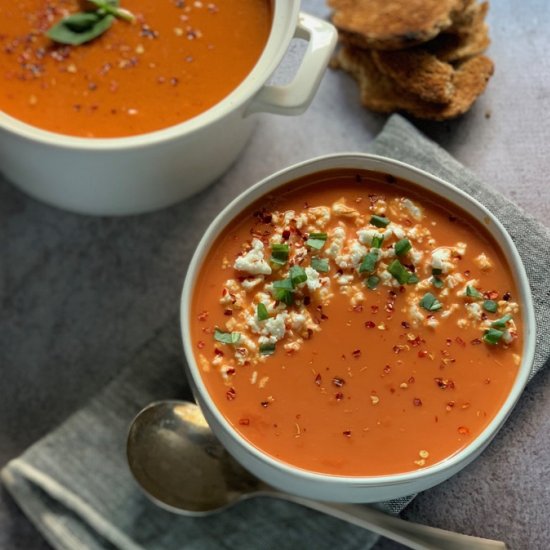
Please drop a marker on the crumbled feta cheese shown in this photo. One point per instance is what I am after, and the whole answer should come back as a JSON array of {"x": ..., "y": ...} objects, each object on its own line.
[
  {"x": 483, "y": 262},
  {"x": 416, "y": 315},
  {"x": 248, "y": 284},
  {"x": 339, "y": 208},
  {"x": 449, "y": 311},
  {"x": 460, "y": 248},
  {"x": 313, "y": 282},
  {"x": 441, "y": 259},
  {"x": 288, "y": 216},
  {"x": 416, "y": 256},
  {"x": 474, "y": 311},
  {"x": 319, "y": 215},
  {"x": 337, "y": 235},
  {"x": 366, "y": 234},
  {"x": 414, "y": 210},
  {"x": 297, "y": 321},
  {"x": 253, "y": 261},
  {"x": 344, "y": 280},
  {"x": 398, "y": 231},
  {"x": 275, "y": 326},
  {"x": 454, "y": 280}
]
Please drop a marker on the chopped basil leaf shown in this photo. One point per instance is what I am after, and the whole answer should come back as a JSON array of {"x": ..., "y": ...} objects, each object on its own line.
[
  {"x": 430, "y": 302},
  {"x": 398, "y": 270},
  {"x": 316, "y": 240},
  {"x": 372, "y": 282},
  {"x": 377, "y": 241},
  {"x": 379, "y": 221},
  {"x": 501, "y": 323},
  {"x": 227, "y": 337},
  {"x": 369, "y": 262},
  {"x": 402, "y": 247},
  {"x": 320, "y": 264},
  {"x": 413, "y": 279},
  {"x": 437, "y": 282},
  {"x": 297, "y": 275},
  {"x": 261, "y": 312},
  {"x": 279, "y": 253},
  {"x": 473, "y": 292},
  {"x": 490, "y": 305},
  {"x": 493, "y": 336},
  {"x": 267, "y": 349},
  {"x": 436, "y": 271},
  {"x": 283, "y": 291}
]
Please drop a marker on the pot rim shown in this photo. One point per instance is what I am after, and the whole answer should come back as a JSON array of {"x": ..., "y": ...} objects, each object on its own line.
[
  {"x": 279, "y": 38},
  {"x": 423, "y": 179}
]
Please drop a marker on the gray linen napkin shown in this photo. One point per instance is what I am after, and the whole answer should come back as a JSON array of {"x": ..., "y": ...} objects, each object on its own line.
[{"x": 74, "y": 484}]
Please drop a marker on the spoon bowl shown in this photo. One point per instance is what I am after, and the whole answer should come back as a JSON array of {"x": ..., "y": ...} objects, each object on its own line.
[{"x": 181, "y": 466}]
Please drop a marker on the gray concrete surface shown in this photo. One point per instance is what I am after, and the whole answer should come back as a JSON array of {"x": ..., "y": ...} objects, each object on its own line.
[{"x": 80, "y": 294}]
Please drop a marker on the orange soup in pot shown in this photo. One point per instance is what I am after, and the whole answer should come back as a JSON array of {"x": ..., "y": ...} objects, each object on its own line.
[
  {"x": 176, "y": 59},
  {"x": 350, "y": 323}
]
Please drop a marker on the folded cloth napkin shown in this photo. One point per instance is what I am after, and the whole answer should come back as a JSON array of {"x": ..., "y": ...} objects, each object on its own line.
[{"x": 74, "y": 484}]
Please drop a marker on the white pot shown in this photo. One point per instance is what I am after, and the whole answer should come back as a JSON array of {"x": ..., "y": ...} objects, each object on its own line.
[
  {"x": 130, "y": 175},
  {"x": 339, "y": 488}
]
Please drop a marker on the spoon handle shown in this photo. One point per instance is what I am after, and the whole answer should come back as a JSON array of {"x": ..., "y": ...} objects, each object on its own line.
[{"x": 412, "y": 535}]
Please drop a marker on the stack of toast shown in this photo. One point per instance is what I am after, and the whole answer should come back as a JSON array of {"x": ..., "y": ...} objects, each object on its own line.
[{"x": 424, "y": 57}]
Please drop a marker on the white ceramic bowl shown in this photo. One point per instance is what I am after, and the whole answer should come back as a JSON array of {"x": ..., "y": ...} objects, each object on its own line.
[
  {"x": 136, "y": 174},
  {"x": 354, "y": 489}
]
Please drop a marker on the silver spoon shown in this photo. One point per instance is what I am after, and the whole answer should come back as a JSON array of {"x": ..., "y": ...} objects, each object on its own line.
[{"x": 182, "y": 467}]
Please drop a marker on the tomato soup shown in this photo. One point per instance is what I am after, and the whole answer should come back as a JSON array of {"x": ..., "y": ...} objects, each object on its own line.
[
  {"x": 353, "y": 324},
  {"x": 176, "y": 60}
]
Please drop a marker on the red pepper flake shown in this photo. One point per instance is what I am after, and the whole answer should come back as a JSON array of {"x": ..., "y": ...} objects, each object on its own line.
[
  {"x": 491, "y": 295},
  {"x": 231, "y": 394},
  {"x": 415, "y": 342},
  {"x": 422, "y": 353},
  {"x": 448, "y": 341},
  {"x": 200, "y": 344},
  {"x": 396, "y": 349},
  {"x": 374, "y": 309},
  {"x": 506, "y": 296},
  {"x": 467, "y": 273},
  {"x": 347, "y": 433},
  {"x": 228, "y": 312},
  {"x": 286, "y": 234},
  {"x": 324, "y": 317},
  {"x": 339, "y": 396},
  {"x": 475, "y": 342},
  {"x": 218, "y": 352},
  {"x": 389, "y": 307},
  {"x": 356, "y": 353},
  {"x": 460, "y": 341},
  {"x": 307, "y": 300},
  {"x": 358, "y": 308},
  {"x": 230, "y": 371},
  {"x": 370, "y": 324},
  {"x": 264, "y": 404},
  {"x": 417, "y": 402},
  {"x": 411, "y": 380},
  {"x": 463, "y": 430},
  {"x": 405, "y": 324},
  {"x": 338, "y": 382},
  {"x": 318, "y": 379},
  {"x": 387, "y": 369},
  {"x": 444, "y": 383},
  {"x": 487, "y": 381},
  {"x": 203, "y": 315},
  {"x": 244, "y": 421}
]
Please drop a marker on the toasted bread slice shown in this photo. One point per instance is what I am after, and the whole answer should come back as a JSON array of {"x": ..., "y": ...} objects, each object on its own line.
[
  {"x": 394, "y": 24},
  {"x": 382, "y": 94},
  {"x": 419, "y": 72}
]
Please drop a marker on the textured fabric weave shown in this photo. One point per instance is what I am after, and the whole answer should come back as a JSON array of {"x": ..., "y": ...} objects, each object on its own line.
[{"x": 76, "y": 488}]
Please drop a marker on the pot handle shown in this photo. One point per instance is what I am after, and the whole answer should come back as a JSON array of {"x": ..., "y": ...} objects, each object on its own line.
[{"x": 294, "y": 98}]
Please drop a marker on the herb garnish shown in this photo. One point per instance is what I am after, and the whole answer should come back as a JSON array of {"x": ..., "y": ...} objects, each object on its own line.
[
  {"x": 379, "y": 221},
  {"x": 493, "y": 336},
  {"x": 490, "y": 305},
  {"x": 267, "y": 349},
  {"x": 369, "y": 262},
  {"x": 437, "y": 271},
  {"x": 279, "y": 253},
  {"x": 430, "y": 302},
  {"x": 501, "y": 323},
  {"x": 81, "y": 27},
  {"x": 227, "y": 337},
  {"x": 316, "y": 240},
  {"x": 297, "y": 275},
  {"x": 372, "y": 282},
  {"x": 437, "y": 282},
  {"x": 283, "y": 291},
  {"x": 402, "y": 247},
  {"x": 401, "y": 273},
  {"x": 320, "y": 264},
  {"x": 261, "y": 312},
  {"x": 473, "y": 292},
  {"x": 377, "y": 241}
]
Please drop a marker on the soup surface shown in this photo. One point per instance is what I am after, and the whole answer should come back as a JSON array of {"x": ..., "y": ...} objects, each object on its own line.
[
  {"x": 352, "y": 324},
  {"x": 179, "y": 58}
]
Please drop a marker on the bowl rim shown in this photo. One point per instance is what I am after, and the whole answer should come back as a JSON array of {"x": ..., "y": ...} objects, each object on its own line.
[
  {"x": 382, "y": 164},
  {"x": 280, "y": 35}
]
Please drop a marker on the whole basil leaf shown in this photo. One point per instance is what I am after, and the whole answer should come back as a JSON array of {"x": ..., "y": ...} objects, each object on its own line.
[{"x": 80, "y": 28}]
